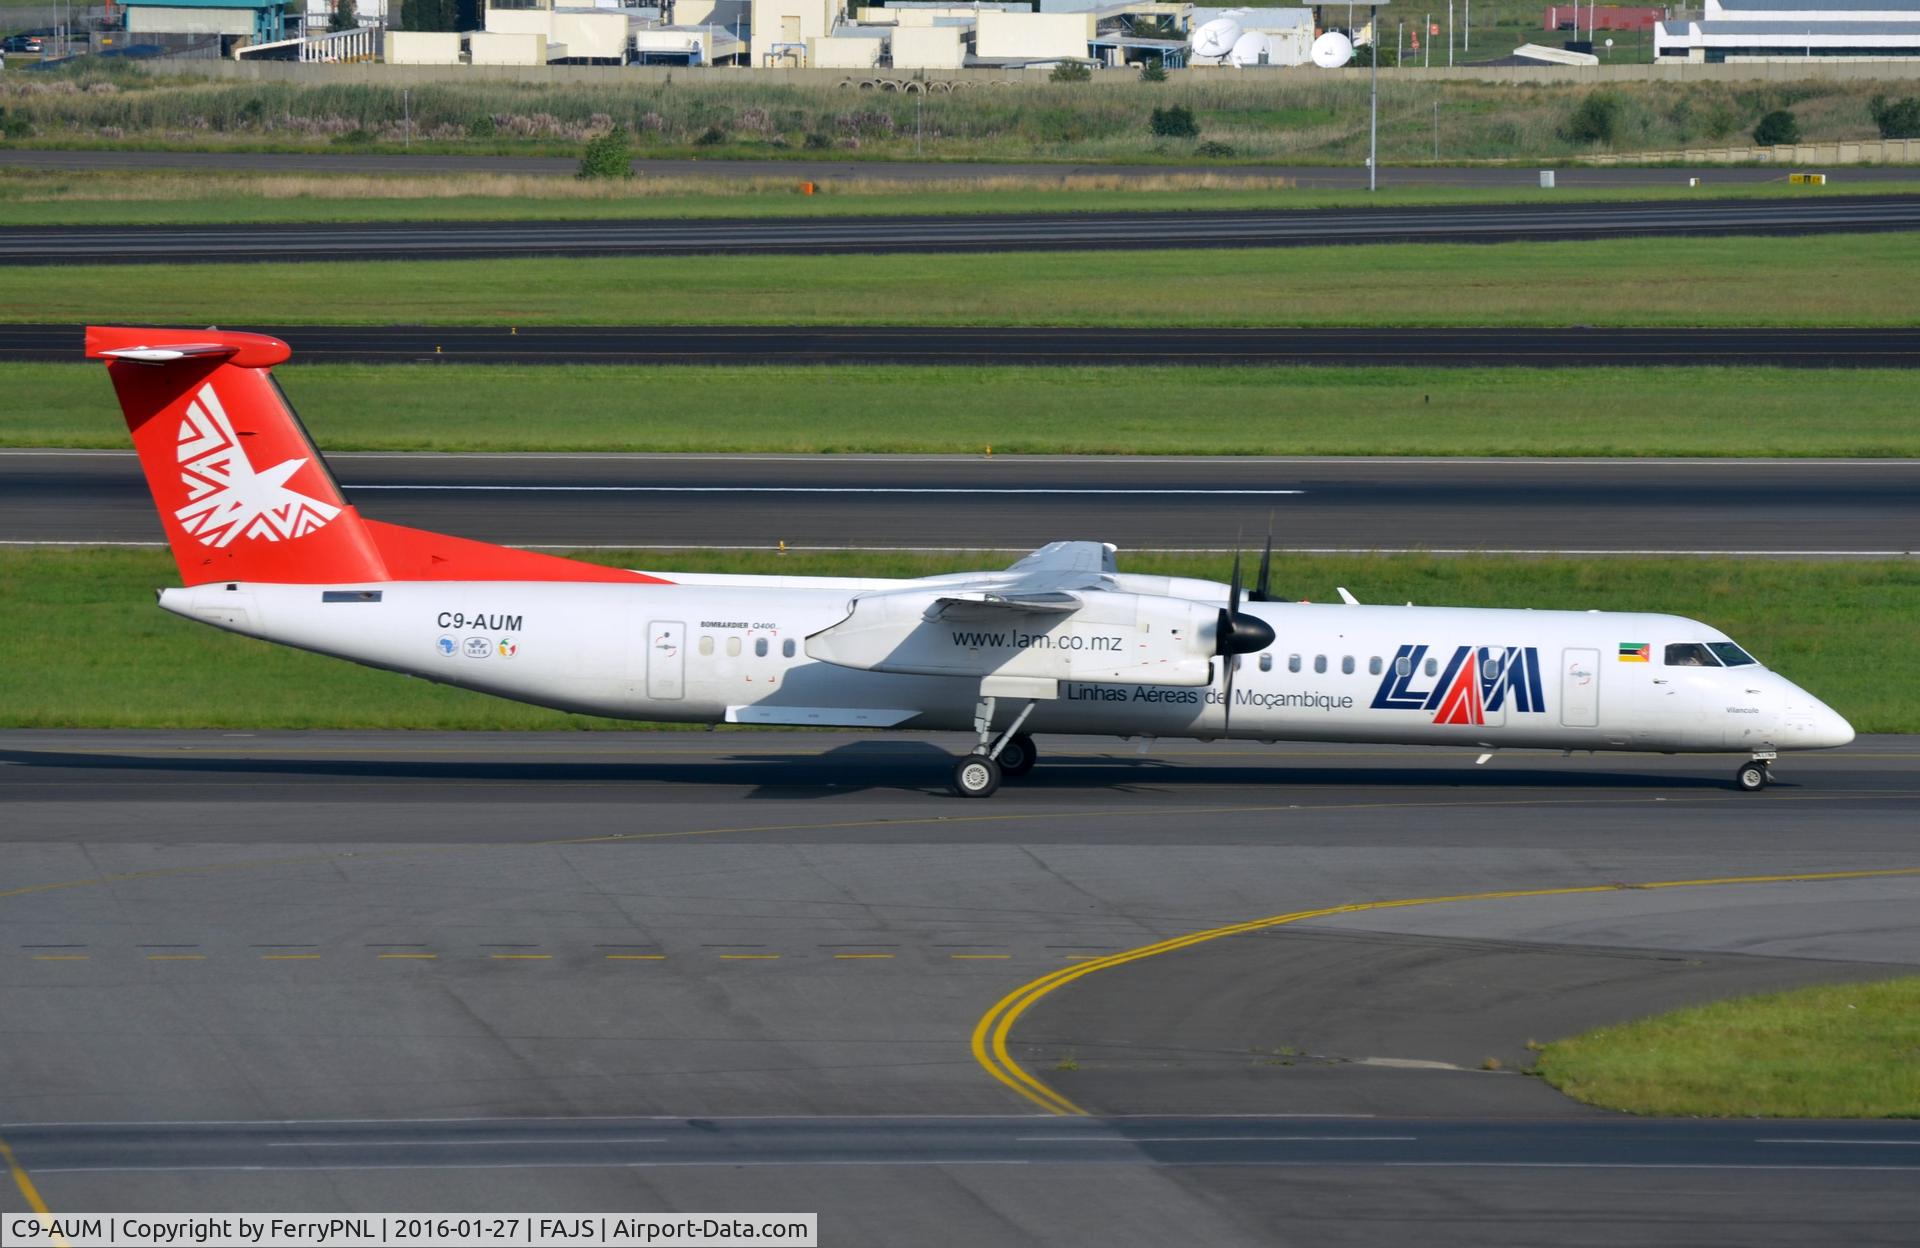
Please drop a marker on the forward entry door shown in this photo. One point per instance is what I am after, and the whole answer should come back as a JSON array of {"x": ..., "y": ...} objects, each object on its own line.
[{"x": 1580, "y": 688}]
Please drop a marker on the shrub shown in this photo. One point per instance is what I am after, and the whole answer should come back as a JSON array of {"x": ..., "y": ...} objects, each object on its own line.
[
  {"x": 343, "y": 17},
  {"x": 1897, "y": 119},
  {"x": 355, "y": 137},
  {"x": 1213, "y": 148},
  {"x": 817, "y": 142},
  {"x": 482, "y": 127},
  {"x": 607, "y": 156},
  {"x": 1069, "y": 71},
  {"x": 14, "y": 127},
  {"x": 712, "y": 136},
  {"x": 1777, "y": 126},
  {"x": 1595, "y": 119},
  {"x": 1153, "y": 72},
  {"x": 1174, "y": 123}
]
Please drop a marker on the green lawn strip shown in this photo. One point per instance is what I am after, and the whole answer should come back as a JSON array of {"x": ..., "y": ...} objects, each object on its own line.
[
  {"x": 92, "y": 650},
  {"x": 229, "y": 200},
  {"x": 1039, "y": 410},
  {"x": 1832, "y": 1051},
  {"x": 1817, "y": 280}
]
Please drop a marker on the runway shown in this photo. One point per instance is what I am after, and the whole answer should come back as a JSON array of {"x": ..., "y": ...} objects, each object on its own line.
[
  {"x": 740, "y": 971},
  {"x": 829, "y": 170},
  {"x": 473, "y": 240},
  {"x": 877, "y": 344},
  {"x": 1814, "y": 508}
]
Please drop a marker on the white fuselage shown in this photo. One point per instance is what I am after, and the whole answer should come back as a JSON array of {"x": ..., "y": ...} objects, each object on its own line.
[{"x": 734, "y": 650}]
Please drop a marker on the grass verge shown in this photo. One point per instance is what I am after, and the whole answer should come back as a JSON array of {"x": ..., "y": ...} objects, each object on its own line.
[
  {"x": 1833, "y": 1051},
  {"x": 1039, "y": 410},
  {"x": 1835, "y": 279},
  {"x": 1844, "y": 629},
  {"x": 67, "y": 198}
]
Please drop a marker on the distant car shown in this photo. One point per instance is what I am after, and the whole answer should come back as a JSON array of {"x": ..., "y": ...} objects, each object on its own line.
[{"x": 21, "y": 43}]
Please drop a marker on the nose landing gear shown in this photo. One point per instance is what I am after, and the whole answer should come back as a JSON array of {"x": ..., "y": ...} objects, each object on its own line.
[{"x": 1755, "y": 774}]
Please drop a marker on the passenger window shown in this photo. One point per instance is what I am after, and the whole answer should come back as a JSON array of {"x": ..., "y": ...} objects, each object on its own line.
[
  {"x": 760, "y": 647},
  {"x": 1433, "y": 667},
  {"x": 787, "y": 648},
  {"x": 1403, "y": 666},
  {"x": 1493, "y": 669},
  {"x": 1293, "y": 662},
  {"x": 1319, "y": 662},
  {"x": 1373, "y": 666},
  {"x": 1346, "y": 665},
  {"x": 706, "y": 645},
  {"x": 1690, "y": 654},
  {"x": 733, "y": 647},
  {"x": 1266, "y": 662}
]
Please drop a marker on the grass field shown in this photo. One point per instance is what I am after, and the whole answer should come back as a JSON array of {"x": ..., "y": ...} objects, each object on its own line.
[
  {"x": 1293, "y": 117},
  {"x": 58, "y": 197},
  {"x": 1851, "y": 279},
  {"x": 91, "y": 649},
  {"x": 1116, "y": 410},
  {"x": 1841, "y": 1051}
]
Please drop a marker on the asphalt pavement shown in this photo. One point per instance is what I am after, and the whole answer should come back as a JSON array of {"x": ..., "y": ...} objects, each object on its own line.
[
  {"x": 915, "y": 344},
  {"x": 1857, "y": 508},
  {"x": 625, "y": 971},
  {"x": 470, "y": 240},
  {"x": 829, "y": 170}
]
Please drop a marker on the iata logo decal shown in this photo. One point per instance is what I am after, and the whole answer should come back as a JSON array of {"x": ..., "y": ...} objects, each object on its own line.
[
  {"x": 1476, "y": 680},
  {"x": 226, "y": 497}
]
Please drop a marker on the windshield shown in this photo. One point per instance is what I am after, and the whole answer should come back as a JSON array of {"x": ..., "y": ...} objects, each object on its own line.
[{"x": 1730, "y": 654}]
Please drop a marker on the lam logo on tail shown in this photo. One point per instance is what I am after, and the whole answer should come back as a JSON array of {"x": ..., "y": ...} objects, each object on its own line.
[{"x": 226, "y": 497}]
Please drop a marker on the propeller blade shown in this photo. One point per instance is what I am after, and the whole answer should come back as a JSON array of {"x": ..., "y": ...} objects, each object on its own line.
[
  {"x": 1226, "y": 717},
  {"x": 1233, "y": 585},
  {"x": 1262, "y": 587}
]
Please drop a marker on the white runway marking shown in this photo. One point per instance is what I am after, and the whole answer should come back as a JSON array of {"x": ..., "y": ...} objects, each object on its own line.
[{"x": 1102, "y": 491}]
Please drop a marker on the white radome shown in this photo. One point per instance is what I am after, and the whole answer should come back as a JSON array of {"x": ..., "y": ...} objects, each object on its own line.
[
  {"x": 1251, "y": 48},
  {"x": 1332, "y": 50}
]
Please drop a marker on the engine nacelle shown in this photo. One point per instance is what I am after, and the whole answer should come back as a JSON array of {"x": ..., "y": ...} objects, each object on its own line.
[{"x": 1128, "y": 638}]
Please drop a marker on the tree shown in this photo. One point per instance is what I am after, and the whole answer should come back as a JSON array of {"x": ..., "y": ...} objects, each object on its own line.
[
  {"x": 1175, "y": 122},
  {"x": 1069, "y": 71},
  {"x": 608, "y": 156},
  {"x": 1153, "y": 71},
  {"x": 344, "y": 18},
  {"x": 1777, "y": 127},
  {"x": 1595, "y": 119},
  {"x": 1897, "y": 119}
]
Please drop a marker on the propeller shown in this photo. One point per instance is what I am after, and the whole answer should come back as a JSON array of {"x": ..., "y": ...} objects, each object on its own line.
[{"x": 1236, "y": 635}]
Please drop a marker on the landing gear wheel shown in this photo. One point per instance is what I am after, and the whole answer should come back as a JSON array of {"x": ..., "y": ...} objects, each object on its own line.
[
  {"x": 976, "y": 775},
  {"x": 1751, "y": 778},
  {"x": 1018, "y": 755}
]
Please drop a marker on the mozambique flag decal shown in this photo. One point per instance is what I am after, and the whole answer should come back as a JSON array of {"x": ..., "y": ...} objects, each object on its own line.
[{"x": 1635, "y": 652}]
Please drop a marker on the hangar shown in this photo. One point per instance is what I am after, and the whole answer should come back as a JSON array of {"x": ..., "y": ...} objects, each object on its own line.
[{"x": 1792, "y": 30}]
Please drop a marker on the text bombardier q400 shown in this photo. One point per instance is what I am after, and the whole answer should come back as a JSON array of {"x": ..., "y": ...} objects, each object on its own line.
[{"x": 1061, "y": 641}]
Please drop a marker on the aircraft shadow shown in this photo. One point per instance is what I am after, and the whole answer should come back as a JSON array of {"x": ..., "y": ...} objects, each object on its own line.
[{"x": 896, "y": 766}]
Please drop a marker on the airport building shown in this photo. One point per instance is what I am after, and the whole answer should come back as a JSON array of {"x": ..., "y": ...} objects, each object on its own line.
[{"x": 1792, "y": 30}]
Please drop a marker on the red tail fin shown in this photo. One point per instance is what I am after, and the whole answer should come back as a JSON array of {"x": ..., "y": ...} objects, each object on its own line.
[{"x": 242, "y": 494}]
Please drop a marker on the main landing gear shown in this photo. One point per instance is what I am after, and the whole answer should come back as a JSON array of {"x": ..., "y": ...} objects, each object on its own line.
[
  {"x": 1012, "y": 753},
  {"x": 1755, "y": 774}
]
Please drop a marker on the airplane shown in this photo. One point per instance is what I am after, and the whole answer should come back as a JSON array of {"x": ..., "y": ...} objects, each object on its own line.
[{"x": 1061, "y": 641}]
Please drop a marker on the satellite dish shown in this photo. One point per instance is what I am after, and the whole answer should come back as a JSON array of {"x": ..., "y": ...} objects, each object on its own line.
[
  {"x": 1216, "y": 38},
  {"x": 1251, "y": 48},
  {"x": 1332, "y": 50}
]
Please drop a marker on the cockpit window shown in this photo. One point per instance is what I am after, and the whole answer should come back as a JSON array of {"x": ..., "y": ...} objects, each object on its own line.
[
  {"x": 1690, "y": 654},
  {"x": 1730, "y": 654}
]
